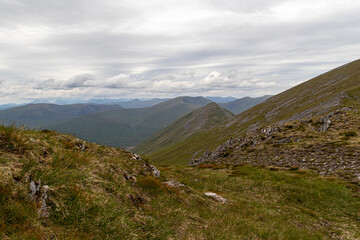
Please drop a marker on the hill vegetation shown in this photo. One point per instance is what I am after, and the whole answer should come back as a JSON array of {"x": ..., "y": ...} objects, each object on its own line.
[
  {"x": 197, "y": 121},
  {"x": 56, "y": 186}
]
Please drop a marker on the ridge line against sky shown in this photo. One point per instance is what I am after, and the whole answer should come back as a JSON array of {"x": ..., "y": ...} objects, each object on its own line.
[{"x": 161, "y": 48}]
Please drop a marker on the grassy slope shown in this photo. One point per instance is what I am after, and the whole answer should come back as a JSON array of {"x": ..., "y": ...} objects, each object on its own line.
[
  {"x": 90, "y": 199},
  {"x": 36, "y": 115},
  {"x": 199, "y": 120},
  {"x": 243, "y": 104},
  {"x": 129, "y": 127},
  {"x": 316, "y": 96}
]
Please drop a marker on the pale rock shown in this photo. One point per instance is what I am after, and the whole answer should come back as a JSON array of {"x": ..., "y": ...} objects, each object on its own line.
[
  {"x": 155, "y": 171},
  {"x": 216, "y": 197}
]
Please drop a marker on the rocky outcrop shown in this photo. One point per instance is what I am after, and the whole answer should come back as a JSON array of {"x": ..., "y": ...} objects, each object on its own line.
[
  {"x": 296, "y": 144},
  {"x": 220, "y": 152},
  {"x": 326, "y": 121}
]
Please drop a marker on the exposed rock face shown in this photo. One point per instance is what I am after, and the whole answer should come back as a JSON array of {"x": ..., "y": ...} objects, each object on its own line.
[{"x": 216, "y": 197}]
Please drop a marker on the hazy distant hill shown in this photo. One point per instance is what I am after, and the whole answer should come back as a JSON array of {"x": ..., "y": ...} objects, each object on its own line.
[
  {"x": 315, "y": 97},
  {"x": 36, "y": 115},
  {"x": 242, "y": 104},
  {"x": 9, "y": 105},
  {"x": 129, "y": 127},
  {"x": 221, "y": 99},
  {"x": 136, "y": 103},
  {"x": 198, "y": 120}
]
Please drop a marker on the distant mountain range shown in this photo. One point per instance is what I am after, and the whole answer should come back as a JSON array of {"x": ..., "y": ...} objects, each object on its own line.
[
  {"x": 128, "y": 127},
  {"x": 120, "y": 124},
  {"x": 37, "y": 115}
]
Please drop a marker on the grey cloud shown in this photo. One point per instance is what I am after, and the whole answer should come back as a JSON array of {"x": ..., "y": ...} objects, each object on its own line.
[
  {"x": 79, "y": 81},
  {"x": 121, "y": 43}
]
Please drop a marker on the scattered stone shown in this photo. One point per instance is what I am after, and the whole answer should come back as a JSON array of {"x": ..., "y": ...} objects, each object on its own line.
[
  {"x": 220, "y": 152},
  {"x": 44, "y": 208},
  {"x": 129, "y": 177},
  {"x": 137, "y": 157},
  {"x": 216, "y": 197},
  {"x": 284, "y": 140},
  {"x": 174, "y": 184},
  {"x": 136, "y": 199}
]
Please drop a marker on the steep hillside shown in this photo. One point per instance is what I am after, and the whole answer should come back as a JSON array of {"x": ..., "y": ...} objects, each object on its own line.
[
  {"x": 129, "y": 127},
  {"x": 36, "y": 115},
  {"x": 318, "y": 96},
  {"x": 199, "y": 120},
  {"x": 242, "y": 104},
  {"x": 56, "y": 186}
]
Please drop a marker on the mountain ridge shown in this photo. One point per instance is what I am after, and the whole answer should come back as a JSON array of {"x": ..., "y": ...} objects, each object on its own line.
[{"x": 198, "y": 120}]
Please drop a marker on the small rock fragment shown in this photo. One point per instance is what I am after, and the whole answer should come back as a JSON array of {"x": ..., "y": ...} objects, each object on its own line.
[
  {"x": 155, "y": 171},
  {"x": 326, "y": 122},
  {"x": 174, "y": 184},
  {"x": 216, "y": 197}
]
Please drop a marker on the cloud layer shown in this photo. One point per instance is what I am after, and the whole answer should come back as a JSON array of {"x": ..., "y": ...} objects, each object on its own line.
[{"x": 161, "y": 48}]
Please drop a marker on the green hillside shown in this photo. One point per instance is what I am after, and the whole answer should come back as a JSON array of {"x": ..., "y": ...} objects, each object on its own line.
[
  {"x": 317, "y": 96},
  {"x": 36, "y": 115},
  {"x": 128, "y": 127},
  {"x": 239, "y": 105},
  {"x": 197, "y": 121},
  {"x": 56, "y": 186}
]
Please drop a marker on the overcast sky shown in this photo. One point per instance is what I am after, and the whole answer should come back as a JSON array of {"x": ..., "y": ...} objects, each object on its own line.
[{"x": 166, "y": 48}]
